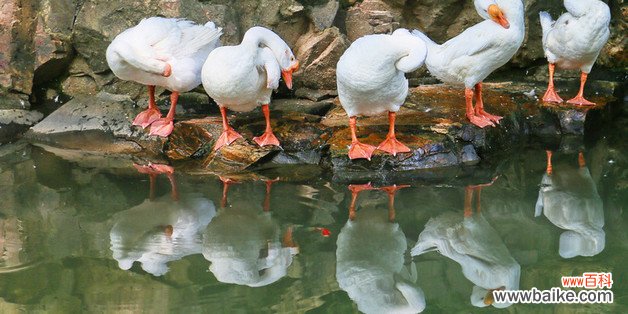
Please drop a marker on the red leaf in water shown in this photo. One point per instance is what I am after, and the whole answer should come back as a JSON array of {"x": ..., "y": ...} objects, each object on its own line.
[{"x": 325, "y": 232}]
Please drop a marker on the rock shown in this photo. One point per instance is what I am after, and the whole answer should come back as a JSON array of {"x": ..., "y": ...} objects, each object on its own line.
[
  {"x": 372, "y": 17},
  {"x": 196, "y": 138},
  {"x": 469, "y": 156},
  {"x": 13, "y": 122},
  {"x": 301, "y": 136},
  {"x": 319, "y": 108},
  {"x": 315, "y": 94},
  {"x": 101, "y": 123},
  {"x": 319, "y": 53},
  {"x": 286, "y": 17},
  {"x": 323, "y": 15},
  {"x": 433, "y": 125},
  {"x": 14, "y": 100},
  {"x": 36, "y": 45},
  {"x": 572, "y": 121}
]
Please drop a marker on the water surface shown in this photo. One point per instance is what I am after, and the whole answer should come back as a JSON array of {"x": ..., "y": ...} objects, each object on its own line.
[{"x": 92, "y": 235}]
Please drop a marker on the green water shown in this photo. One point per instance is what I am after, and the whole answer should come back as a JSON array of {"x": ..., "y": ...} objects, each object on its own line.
[{"x": 80, "y": 234}]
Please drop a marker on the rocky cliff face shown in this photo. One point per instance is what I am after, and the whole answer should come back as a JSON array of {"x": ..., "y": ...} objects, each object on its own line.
[{"x": 60, "y": 44}]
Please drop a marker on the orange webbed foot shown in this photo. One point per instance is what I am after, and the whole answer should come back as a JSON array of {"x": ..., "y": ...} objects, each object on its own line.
[
  {"x": 227, "y": 137},
  {"x": 147, "y": 117},
  {"x": 268, "y": 138},
  {"x": 493, "y": 118},
  {"x": 552, "y": 96},
  {"x": 359, "y": 150},
  {"x": 480, "y": 121},
  {"x": 392, "y": 146},
  {"x": 580, "y": 101},
  {"x": 162, "y": 127}
]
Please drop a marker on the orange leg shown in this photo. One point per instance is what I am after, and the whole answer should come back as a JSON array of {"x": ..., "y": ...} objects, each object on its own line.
[
  {"x": 581, "y": 162},
  {"x": 551, "y": 95},
  {"x": 228, "y": 133},
  {"x": 269, "y": 184},
  {"x": 173, "y": 186},
  {"x": 468, "y": 198},
  {"x": 479, "y": 105},
  {"x": 164, "y": 126},
  {"x": 479, "y": 121},
  {"x": 287, "y": 240},
  {"x": 355, "y": 191},
  {"x": 391, "y": 191},
  {"x": 478, "y": 204},
  {"x": 150, "y": 115},
  {"x": 151, "y": 178},
  {"x": 226, "y": 182},
  {"x": 357, "y": 149},
  {"x": 169, "y": 230},
  {"x": 579, "y": 99},
  {"x": 268, "y": 138},
  {"x": 549, "y": 168},
  {"x": 391, "y": 145}
]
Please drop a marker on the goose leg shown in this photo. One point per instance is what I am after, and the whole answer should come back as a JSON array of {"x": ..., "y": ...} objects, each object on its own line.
[
  {"x": 581, "y": 162},
  {"x": 226, "y": 182},
  {"x": 164, "y": 126},
  {"x": 228, "y": 133},
  {"x": 391, "y": 145},
  {"x": 269, "y": 184},
  {"x": 392, "y": 191},
  {"x": 579, "y": 99},
  {"x": 268, "y": 138},
  {"x": 549, "y": 169},
  {"x": 150, "y": 115},
  {"x": 468, "y": 198},
  {"x": 479, "y": 121},
  {"x": 355, "y": 191},
  {"x": 479, "y": 105},
  {"x": 550, "y": 94},
  {"x": 357, "y": 149}
]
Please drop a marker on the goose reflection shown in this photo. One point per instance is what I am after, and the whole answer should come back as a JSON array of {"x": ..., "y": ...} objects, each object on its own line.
[
  {"x": 569, "y": 199},
  {"x": 470, "y": 241},
  {"x": 370, "y": 260},
  {"x": 160, "y": 230},
  {"x": 244, "y": 243}
]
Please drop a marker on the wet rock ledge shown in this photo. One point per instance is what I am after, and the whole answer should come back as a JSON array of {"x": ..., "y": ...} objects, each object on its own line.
[{"x": 314, "y": 131}]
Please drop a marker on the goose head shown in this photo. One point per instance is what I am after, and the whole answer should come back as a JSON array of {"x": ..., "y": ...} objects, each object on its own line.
[
  {"x": 263, "y": 37},
  {"x": 489, "y": 10}
]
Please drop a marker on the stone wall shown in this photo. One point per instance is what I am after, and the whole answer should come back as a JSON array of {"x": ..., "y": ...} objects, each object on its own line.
[{"x": 58, "y": 46}]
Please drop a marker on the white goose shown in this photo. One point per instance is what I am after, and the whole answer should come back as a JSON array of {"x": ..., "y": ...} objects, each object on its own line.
[
  {"x": 371, "y": 80},
  {"x": 370, "y": 264},
  {"x": 574, "y": 41},
  {"x": 569, "y": 199},
  {"x": 478, "y": 51},
  {"x": 159, "y": 231},
  {"x": 163, "y": 52},
  {"x": 477, "y": 247},
  {"x": 243, "y": 77},
  {"x": 244, "y": 247}
]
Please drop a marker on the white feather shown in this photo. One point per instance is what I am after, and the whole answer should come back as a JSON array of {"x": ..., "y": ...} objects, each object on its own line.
[
  {"x": 140, "y": 53},
  {"x": 371, "y": 73},
  {"x": 575, "y": 40},
  {"x": 478, "y": 51}
]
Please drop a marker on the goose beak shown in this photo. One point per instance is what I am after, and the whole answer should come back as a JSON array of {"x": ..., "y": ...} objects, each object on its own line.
[
  {"x": 287, "y": 74},
  {"x": 488, "y": 299},
  {"x": 497, "y": 15},
  {"x": 287, "y": 77}
]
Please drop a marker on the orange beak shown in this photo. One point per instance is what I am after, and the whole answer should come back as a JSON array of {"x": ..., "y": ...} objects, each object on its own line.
[
  {"x": 287, "y": 77},
  {"x": 287, "y": 74},
  {"x": 497, "y": 16}
]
